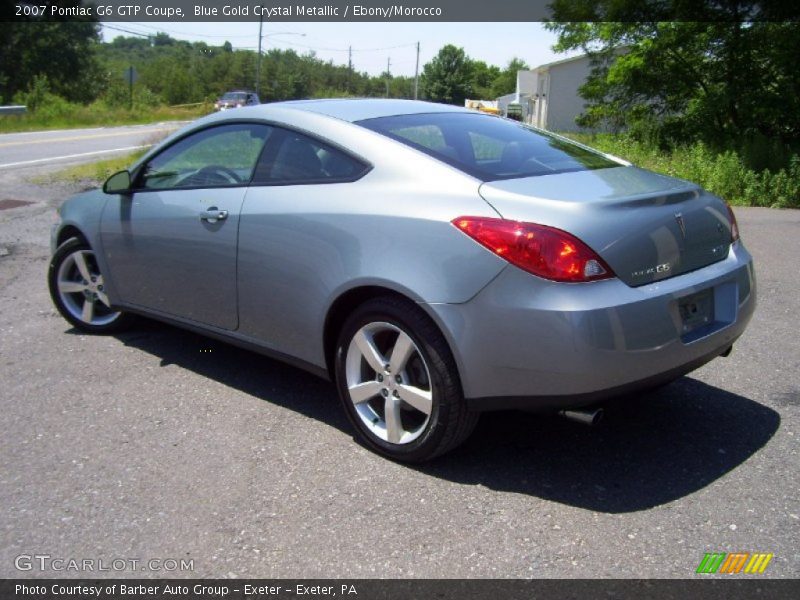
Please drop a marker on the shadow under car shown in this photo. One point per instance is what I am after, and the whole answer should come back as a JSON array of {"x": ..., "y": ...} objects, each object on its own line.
[{"x": 650, "y": 449}]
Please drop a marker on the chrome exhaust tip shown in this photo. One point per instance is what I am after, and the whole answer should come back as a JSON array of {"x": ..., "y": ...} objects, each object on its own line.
[{"x": 587, "y": 417}]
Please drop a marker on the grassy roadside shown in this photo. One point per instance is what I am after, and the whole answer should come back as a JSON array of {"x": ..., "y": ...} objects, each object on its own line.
[
  {"x": 93, "y": 115},
  {"x": 91, "y": 174},
  {"x": 723, "y": 174}
]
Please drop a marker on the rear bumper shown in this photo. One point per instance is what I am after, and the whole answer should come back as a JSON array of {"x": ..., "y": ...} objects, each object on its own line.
[{"x": 524, "y": 342}]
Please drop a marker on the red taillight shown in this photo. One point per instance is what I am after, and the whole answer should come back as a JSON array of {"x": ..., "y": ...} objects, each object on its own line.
[
  {"x": 544, "y": 251},
  {"x": 734, "y": 224}
]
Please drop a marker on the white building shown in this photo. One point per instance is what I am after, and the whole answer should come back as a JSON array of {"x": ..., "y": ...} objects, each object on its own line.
[
  {"x": 549, "y": 94},
  {"x": 504, "y": 101}
]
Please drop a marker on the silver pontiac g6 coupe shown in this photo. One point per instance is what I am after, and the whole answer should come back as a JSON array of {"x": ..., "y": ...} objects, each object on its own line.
[{"x": 433, "y": 261}]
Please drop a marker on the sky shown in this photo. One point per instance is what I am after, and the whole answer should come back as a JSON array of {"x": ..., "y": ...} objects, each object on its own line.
[{"x": 372, "y": 43}]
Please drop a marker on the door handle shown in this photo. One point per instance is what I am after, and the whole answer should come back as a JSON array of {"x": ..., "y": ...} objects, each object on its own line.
[{"x": 213, "y": 214}]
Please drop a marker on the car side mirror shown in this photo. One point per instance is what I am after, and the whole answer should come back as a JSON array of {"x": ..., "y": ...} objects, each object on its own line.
[{"x": 118, "y": 183}]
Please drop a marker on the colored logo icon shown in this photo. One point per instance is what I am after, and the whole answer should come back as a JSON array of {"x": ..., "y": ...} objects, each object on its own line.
[{"x": 734, "y": 562}]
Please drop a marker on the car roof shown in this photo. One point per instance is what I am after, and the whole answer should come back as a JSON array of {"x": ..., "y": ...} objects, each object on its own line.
[
  {"x": 311, "y": 115},
  {"x": 357, "y": 109}
]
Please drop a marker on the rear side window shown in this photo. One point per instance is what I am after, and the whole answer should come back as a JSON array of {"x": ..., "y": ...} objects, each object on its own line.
[
  {"x": 429, "y": 136},
  {"x": 295, "y": 158},
  {"x": 488, "y": 147}
]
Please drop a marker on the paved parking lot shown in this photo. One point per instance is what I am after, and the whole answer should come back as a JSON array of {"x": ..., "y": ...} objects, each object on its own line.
[{"x": 161, "y": 444}]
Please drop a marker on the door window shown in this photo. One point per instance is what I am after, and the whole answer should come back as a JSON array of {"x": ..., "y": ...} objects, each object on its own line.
[{"x": 220, "y": 156}]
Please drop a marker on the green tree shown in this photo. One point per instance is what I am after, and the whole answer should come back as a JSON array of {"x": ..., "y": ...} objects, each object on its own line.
[
  {"x": 448, "y": 77},
  {"x": 483, "y": 78},
  {"x": 724, "y": 82},
  {"x": 163, "y": 39},
  {"x": 176, "y": 72},
  {"x": 62, "y": 52},
  {"x": 506, "y": 80}
]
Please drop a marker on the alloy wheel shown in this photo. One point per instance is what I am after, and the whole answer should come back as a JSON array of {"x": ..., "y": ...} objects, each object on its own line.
[
  {"x": 389, "y": 383},
  {"x": 81, "y": 289}
]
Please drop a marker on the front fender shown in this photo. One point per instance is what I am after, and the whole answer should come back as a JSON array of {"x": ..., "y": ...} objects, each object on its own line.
[{"x": 83, "y": 213}]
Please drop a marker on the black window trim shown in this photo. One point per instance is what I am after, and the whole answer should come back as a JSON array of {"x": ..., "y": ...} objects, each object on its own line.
[{"x": 367, "y": 165}]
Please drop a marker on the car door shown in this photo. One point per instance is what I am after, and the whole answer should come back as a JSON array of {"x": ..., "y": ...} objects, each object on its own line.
[
  {"x": 289, "y": 242},
  {"x": 171, "y": 244}
]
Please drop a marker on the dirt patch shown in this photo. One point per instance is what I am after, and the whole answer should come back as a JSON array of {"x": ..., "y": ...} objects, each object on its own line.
[{"x": 10, "y": 203}]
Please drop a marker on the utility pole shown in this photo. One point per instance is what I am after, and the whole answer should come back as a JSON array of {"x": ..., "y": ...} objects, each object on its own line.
[
  {"x": 349, "y": 66},
  {"x": 130, "y": 77},
  {"x": 416, "y": 75},
  {"x": 388, "y": 74},
  {"x": 260, "y": 36},
  {"x": 258, "y": 58}
]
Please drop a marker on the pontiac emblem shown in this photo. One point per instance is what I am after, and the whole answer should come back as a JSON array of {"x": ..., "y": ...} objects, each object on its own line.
[{"x": 681, "y": 224}]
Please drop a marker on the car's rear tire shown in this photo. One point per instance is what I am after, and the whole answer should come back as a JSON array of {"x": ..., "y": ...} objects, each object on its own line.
[
  {"x": 78, "y": 290},
  {"x": 398, "y": 382}
]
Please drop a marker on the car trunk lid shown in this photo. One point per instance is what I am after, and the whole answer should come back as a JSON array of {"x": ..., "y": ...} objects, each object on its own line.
[{"x": 646, "y": 227}]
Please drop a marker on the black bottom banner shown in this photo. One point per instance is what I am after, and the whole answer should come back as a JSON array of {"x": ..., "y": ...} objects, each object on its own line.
[{"x": 368, "y": 589}]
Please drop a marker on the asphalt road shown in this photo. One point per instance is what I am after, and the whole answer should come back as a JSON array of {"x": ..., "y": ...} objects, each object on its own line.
[
  {"x": 47, "y": 148},
  {"x": 160, "y": 444}
]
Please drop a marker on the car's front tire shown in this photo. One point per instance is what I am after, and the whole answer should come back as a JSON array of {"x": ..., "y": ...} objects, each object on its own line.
[
  {"x": 398, "y": 382},
  {"x": 78, "y": 290}
]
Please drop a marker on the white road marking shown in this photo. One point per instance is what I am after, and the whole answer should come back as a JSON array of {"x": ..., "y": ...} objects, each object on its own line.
[
  {"x": 133, "y": 128},
  {"x": 78, "y": 138},
  {"x": 68, "y": 156}
]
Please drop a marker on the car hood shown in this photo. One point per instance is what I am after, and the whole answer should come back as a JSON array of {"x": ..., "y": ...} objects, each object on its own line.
[{"x": 646, "y": 226}]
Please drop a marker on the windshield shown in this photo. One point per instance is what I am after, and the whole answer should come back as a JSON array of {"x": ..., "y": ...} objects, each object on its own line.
[
  {"x": 488, "y": 147},
  {"x": 234, "y": 96}
]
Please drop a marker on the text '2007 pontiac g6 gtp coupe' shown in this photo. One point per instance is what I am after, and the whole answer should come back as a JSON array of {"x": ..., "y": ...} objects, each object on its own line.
[{"x": 434, "y": 262}]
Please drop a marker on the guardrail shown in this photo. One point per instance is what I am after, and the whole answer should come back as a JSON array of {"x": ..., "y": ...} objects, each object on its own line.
[{"x": 13, "y": 110}]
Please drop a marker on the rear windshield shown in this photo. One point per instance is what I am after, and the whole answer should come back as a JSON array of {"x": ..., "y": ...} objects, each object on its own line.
[{"x": 488, "y": 147}]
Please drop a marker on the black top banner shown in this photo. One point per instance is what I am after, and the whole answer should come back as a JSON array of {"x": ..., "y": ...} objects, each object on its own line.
[{"x": 401, "y": 10}]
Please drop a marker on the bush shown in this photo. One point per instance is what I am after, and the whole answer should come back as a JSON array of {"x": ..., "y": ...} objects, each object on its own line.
[
  {"x": 36, "y": 94},
  {"x": 725, "y": 173},
  {"x": 41, "y": 102},
  {"x": 48, "y": 110},
  {"x": 117, "y": 95}
]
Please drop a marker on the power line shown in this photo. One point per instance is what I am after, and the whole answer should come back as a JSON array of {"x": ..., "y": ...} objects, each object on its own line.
[
  {"x": 348, "y": 50},
  {"x": 375, "y": 62},
  {"x": 385, "y": 48},
  {"x": 139, "y": 33},
  {"x": 193, "y": 35},
  {"x": 306, "y": 46},
  {"x": 278, "y": 42}
]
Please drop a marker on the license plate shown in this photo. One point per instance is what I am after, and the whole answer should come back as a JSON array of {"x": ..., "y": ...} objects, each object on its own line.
[{"x": 697, "y": 310}]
